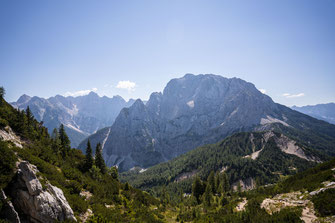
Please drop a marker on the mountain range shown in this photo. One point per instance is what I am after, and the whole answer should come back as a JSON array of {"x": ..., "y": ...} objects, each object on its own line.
[
  {"x": 324, "y": 112},
  {"x": 196, "y": 110},
  {"x": 81, "y": 116}
]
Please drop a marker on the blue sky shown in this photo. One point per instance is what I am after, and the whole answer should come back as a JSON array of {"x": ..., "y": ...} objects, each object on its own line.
[{"x": 133, "y": 48}]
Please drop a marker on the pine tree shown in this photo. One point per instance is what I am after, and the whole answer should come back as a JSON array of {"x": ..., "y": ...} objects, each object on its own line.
[
  {"x": 99, "y": 160},
  {"x": 54, "y": 134},
  {"x": 2, "y": 92},
  {"x": 211, "y": 181},
  {"x": 89, "y": 157},
  {"x": 56, "y": 144},
  {"x": 64, "y": 139},
  {"x": 30, "y": 116},
  {"x": 197, "y": 189},
  {"x": 113, "y": 172},
  {"x": 218, "y": 182},
  {"x": 208, "y": 195},
  {"x": 225, "y": 183}
]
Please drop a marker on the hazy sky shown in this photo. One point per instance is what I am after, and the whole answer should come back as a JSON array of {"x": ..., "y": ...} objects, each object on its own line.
[{"x": 133, "y": 48}]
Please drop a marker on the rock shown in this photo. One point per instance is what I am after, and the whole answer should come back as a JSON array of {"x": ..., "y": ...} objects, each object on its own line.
[
  {"x": 8, "y": 210},
  {"x": 7, "y": 134},
  {"x": 38, "y": 204},
  {"x": 28, "y": 174}
]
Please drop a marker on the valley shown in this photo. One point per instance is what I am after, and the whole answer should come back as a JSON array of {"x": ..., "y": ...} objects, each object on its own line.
[{"x": 206, "y": 149}]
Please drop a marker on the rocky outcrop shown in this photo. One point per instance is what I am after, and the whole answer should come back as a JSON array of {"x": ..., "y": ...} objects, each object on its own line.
[
  {"x": 37, "y": 203},
  {"x": 8, "y": 211},
  {"x": 7, "y": 134},
  {"x": 246, "y": 184}
]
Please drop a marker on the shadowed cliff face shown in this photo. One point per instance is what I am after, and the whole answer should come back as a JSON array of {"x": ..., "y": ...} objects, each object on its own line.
[{"x": 193, "y": 110}]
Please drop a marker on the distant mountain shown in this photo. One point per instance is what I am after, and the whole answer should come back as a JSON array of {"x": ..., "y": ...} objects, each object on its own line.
[
  {"x": 324, "y": 112},
  {"x": 196, "y": 110},
  {"x": 81, "y": 116}
]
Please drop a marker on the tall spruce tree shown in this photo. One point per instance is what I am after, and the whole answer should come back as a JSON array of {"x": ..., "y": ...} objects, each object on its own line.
[
  {"x": 208, "y": 195},
  {"x": 211, "y": 182},
  {"x": 197, "y": 189},
  {"x": 64, "y": 139},
  {"x": 89, "y": 157},
  {"x": 30, "y": 116},
  {"x": 225, "y": 183},
  {"x": 99, "y": 160}
]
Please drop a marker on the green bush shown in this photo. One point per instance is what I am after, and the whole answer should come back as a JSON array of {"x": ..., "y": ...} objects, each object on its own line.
[{"x": 324, "y": 202}]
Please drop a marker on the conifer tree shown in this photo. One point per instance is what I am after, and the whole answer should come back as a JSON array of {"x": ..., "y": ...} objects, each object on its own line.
[
  {"x": 2, "y": 92},
  {"x": 218, "y": 182},
  {"x": 54, "y": 134},
  {"x": 64, "y": 140},
  {"x": 99, "y": 160},
  {"x": 208, "y": 195},
  {"x": 211, "y": 182},
  {"x": 225, "y": 183},
  {"x": 30, "y": 116},
  {"x": 197, "y": 189},
  {"x": 89, "y": 157},
  {"x": 55, "y": 140}
]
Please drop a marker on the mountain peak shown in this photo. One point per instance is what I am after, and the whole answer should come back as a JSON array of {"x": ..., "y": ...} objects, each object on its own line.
[
  {"x": 23, "y": 99},
  {"x": 93, "y": 94}
]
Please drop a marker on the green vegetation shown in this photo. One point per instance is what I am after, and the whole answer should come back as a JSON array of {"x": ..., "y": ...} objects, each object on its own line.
[
  {"x": 89, "y": 158},
  {"x": 228, "y": 156},
  {"x": 324, "y": 202},
  {"x": 65, "y": 168},
  {"x": 195, "y": 187},
  {"x": 7, "y": 164}
]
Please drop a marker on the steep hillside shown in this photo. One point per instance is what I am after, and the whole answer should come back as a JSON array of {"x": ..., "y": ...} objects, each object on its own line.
[
  {"x": 196, "y": 110},
  {"x": 43, "y": 180},
  {"x": 324, "y": 112},
  {"x": 252, "y": 159},
  {"x": 82, "y": 115}
]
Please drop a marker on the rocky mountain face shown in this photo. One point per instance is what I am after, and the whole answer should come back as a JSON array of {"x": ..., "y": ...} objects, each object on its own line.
[
  {"x": 81, "y": 116},
  {"x": 193, "y": 110},
  {"x": 324, "y": 112},
  {"x": 37, "y": 202}
]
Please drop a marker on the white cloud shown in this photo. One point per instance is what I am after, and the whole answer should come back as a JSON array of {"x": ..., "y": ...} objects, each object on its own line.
[
  {"x": 80, "y": 93},
  {"x": 128, "y": 85},
  {"x": 288, "y": 95},
  {"x": 262, "y": 90}
]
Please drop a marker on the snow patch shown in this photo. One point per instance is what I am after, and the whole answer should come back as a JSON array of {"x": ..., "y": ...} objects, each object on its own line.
[
  {"x": 233, "y": 113},
  {"x": 190, "y": 104},
  {"x": 75, "y": 128},
  {"x": 105, "y": 139}
]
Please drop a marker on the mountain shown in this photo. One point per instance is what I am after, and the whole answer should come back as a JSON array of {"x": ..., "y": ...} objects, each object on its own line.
[
  {"x": 249, "y": 160},
  {"x": 324, "y": 112},
  {"x": 40, "y": 183},
  {"x": 81, "y": 116},
  {"x": 43, "y": 180},
  {"x": 247, "y": 157},
  {"x": 196, "y": 110}
]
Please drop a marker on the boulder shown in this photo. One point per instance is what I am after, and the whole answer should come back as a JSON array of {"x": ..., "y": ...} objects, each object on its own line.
[{"x": 36, "y": 203}]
